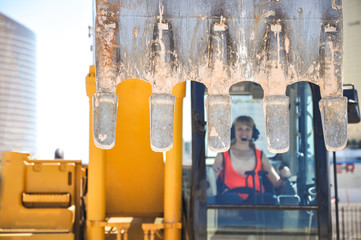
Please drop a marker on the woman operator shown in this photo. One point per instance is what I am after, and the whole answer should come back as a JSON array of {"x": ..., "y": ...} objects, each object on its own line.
[{"x": 234, "y": 169}]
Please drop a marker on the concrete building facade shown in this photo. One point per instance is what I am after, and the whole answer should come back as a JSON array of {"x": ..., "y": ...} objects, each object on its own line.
[{"x": 18, "y": 112}]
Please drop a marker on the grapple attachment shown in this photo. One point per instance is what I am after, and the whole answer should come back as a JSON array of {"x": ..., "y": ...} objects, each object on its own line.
[{"x": 219, "y": 43}]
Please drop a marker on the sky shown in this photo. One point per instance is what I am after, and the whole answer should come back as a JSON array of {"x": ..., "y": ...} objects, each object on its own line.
[{"x": 63, "y": 60}]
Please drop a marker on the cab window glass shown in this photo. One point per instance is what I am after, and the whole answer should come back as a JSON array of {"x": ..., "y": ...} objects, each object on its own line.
[
  {"x": 298, "y": 187},
  {"x": 289, "y": 209}
]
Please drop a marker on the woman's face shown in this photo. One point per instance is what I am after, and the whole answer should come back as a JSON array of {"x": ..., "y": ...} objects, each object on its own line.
[{"x": 243, "y": 132}]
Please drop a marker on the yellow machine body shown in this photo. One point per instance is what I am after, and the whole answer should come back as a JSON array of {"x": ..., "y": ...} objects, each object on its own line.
[
  {"x": 134, "y": 173},
  {"x": 39, "y": 199},
  {"x": 129, "y": 180}
]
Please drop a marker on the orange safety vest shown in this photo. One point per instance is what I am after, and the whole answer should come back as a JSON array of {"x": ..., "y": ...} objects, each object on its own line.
[{"x": 233, "y": 179}]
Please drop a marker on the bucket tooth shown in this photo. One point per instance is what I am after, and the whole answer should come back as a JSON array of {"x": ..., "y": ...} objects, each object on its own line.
[
  {"x": 275, "y": 104},
  {"x": 334, "y": 122},
  {"x": 333, "y": 106},
  {"x": 106, "y": 40},
  {"x": 105, "y": 100},
  {"x": 275, "y": 110},
  {"x": 161, "y": 121},
  {"x": 219, "y": 121},
  {"x": 219, "y": 105},
  {"x": 105, "y": 117},
  {"x": 161, "y": 102}
]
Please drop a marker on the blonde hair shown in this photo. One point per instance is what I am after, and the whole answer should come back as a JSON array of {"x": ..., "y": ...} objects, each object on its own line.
[{"x": 246, "y": 120}]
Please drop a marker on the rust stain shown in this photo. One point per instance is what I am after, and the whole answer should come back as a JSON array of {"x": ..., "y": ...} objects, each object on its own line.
[{"x": 135, "y": 32}]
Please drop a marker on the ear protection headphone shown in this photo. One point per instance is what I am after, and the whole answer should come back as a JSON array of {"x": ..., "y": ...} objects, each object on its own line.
[{"x": 255, "y": 132}]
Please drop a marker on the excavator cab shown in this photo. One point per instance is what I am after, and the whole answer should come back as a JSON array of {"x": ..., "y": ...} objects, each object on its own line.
[{"x": 301, "y": 212}]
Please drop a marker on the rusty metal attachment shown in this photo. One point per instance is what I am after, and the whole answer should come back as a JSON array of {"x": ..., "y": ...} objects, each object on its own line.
[{"x": 220, "y": 43}]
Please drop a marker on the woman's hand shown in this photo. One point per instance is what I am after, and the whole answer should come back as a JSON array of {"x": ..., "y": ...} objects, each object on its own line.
[
  {"x": 218, "y": 165},
  {"x": 285, "y": 172}
]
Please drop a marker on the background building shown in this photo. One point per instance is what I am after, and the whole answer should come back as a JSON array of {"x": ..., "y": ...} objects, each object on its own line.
[{"x": 18, "y": 117}]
